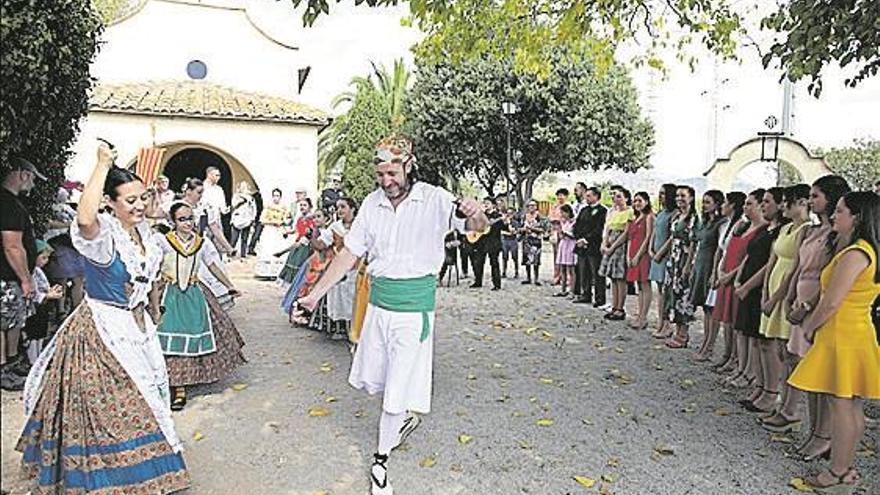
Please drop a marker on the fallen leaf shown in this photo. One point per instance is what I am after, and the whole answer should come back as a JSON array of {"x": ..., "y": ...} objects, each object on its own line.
[
  {"x": 427, "y": 462},
  {"x": 778, "y": 437},
  {"x": 610, "y": 478},
  {"x": 238, "y": 387},
  {"x": 318, "y": 412},
  {"x": 546, "y": 381},
  {"x": 664, "y": 450},
  {"x": 471, "y": 376},
  {"x": 198, "y": 436},
  {"x": 722, "y": 412},
  {"x": 465, "y": 439},
  {"x": 545, "y": 422},
  {"x": 531, "y": 330},
  {"x": 613, "y": 462},
  {"x": 330, "y": 400},
  {"x": 584, "y": 481},
  {"x": 587, "y": 422},
  {"x": 545, "y": 334},
  {"x": 524, "y": 445},
  {"x": 516, "y": 414},
  {"x": 321, "y": 492},
  {"x": 326, "y": 367},
  {"x": 800, "y": 485},
  {"x": 359, "y": 413}
]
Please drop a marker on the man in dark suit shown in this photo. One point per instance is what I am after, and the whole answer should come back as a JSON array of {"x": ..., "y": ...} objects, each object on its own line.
[
  {"x": 488, "y": 245},
  {"x": 588, "y": 229}
]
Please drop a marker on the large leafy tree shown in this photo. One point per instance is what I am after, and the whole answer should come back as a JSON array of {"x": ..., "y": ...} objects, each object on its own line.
[
  {"x": 858, "y": 163},
  {"x": 811, "y": 34},
  {"x": 48, "y": 46},
  {"x": 376, "y": 107},
  {"x": 574, "y": 119}
]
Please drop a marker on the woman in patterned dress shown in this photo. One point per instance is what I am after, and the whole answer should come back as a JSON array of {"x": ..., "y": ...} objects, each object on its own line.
[
  {"x": 533, "y": 230},
  {"x": 333, "y": 313},
  {"x": 613, "y": 251},
  {"x": 681, "y": 247},
  {"x": 199, "y": 341},
  {"x": 97, "y": 398}
]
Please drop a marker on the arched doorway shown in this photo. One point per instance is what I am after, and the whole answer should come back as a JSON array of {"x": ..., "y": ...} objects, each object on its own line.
[
  {"x": 785, "y": 150},
  {"x": 192, "y": 163}
]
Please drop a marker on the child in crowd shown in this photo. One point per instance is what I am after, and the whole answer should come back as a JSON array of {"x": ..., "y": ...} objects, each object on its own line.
[
  {"x": 36, "y": 327},
  {"x": 565, "y": 249}
]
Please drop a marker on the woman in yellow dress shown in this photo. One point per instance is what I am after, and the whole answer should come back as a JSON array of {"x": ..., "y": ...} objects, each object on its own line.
[{"x": 844, "y": 361}]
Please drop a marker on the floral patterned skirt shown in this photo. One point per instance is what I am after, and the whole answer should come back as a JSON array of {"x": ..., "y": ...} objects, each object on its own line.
[
  {"x": 679, "y": 306},
  {"x": 91, "y": 430}
]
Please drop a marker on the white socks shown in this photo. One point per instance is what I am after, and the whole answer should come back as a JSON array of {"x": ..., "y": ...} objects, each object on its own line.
[{"x": 389, "y": 431}]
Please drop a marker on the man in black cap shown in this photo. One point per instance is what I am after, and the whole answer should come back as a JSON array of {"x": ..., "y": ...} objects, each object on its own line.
[{"x": 16, "y": 268}]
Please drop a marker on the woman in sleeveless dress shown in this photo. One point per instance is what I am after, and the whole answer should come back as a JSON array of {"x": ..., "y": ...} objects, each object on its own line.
[
  {"x": 666, "y": 200},
  {"x": 774, "y": 323},
  {"x": 732, "y": 212},
  {"x": 803, "y": 294},
  {"x": 97, "y": 398},
  {"x": 707, "y": 236},
  {"x": 844, "y": 360},
  {"x": 637, "y": 260}
]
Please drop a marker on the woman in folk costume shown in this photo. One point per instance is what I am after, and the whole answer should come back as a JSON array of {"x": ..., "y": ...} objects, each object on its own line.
[
  {"x": 273, "y": 218},
  {"x": 310, "y": 268},
  {"x": 306, "y": 229},
  {"x": 333, "y": 314},
  {"x": 199, "y": 340},
  {"x": 97, "y": 397},
  {"x": 192, "y": 196},
  {"x": 402, "y": 226}
]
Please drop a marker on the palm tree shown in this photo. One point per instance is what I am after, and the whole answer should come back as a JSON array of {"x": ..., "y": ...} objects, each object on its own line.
[{"x": 390, "y": 88}]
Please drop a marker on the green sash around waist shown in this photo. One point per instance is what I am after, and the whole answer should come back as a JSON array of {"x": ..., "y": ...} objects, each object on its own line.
[{"x": 406, "y": 295}]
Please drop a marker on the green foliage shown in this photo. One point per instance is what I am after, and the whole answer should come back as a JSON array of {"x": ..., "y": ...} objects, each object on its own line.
[
  {"x": 859, "y": 163},
  {"x": 815, "y": 34},
  {"x": 812, "y": 33},
  {"x": 575, "y": 119},
  {"x": 47, "y": 48},
  {"x": 532, "y": 30},
  {"x": 110, "y": 10},
  {"x": 377, "y": 107}
]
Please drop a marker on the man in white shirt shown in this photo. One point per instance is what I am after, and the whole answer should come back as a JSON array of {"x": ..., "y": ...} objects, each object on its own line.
[
  {"x": 214, "y": 205},
  {"x": 400, "y": 227}
]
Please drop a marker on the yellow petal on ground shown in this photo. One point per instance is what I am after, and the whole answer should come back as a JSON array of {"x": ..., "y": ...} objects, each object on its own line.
[
  {"x": 722, "y": 412},
  {"x": 465, "y": 439},
  {"x": 238, "y": 387},
  {"x": 330, "y": 399},
  {"x": 800, "y": 485},
  {"x": 545, "y": 422},
  {"x": 198, "y": 436},
  {"x": 546, "y": 381},
  {"x": 585, "y": 482},
  {"x": 471, "y": 376},
  {"x": 546, "y": 334},
  {"x": 321, "y": 492},
  {"x": 613, "y": 462},
  {"x": 318, "y": 412},
  {"x": 427, "y": 462}
]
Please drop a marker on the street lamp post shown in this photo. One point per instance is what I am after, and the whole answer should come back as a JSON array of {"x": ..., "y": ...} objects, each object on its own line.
[{"x": 509, "y": 109}]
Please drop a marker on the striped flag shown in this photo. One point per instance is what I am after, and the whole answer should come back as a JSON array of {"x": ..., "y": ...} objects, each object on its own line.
[{"x": 148, "y": 161}]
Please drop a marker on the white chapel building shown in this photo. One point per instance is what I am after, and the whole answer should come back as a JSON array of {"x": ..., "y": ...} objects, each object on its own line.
[{"x": 202, "y": 80}]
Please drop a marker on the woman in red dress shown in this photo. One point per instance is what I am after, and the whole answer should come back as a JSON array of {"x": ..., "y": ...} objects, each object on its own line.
[{"x": 637, "y": 260}]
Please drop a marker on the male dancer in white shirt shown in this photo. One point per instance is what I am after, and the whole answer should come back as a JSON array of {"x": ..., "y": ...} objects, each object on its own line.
[{"x": 400, "y": 227}]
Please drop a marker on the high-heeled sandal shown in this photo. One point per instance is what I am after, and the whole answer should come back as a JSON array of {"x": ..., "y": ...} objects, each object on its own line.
[
  {"x": 751, "y": 407},
  {"x": 839, "y": 487},
  {"x": 677, "y": 342},
  {"x": 178, "y": 401},
  {"x": 824, "y": 454}
]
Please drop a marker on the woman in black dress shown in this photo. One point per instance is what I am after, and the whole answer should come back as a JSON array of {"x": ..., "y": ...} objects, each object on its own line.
[{"x": 748, "y": 286}]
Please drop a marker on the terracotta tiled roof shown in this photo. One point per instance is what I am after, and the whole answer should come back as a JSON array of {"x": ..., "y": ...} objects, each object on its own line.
[{"x": 200, "y": 99}]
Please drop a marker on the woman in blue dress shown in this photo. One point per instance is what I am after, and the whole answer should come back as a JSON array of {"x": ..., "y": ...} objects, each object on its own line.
[
  {"x": 658, "y": 259},
  {"x": 199, "y": 340},
  {"x": 97, "y": 399}
]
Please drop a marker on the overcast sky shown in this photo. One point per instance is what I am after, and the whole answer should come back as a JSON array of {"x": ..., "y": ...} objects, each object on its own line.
[{"x": 342, "y": 45}]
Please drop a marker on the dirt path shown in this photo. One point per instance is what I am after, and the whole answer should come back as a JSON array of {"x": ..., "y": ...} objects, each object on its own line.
[{"x": 616, "y": 407}]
